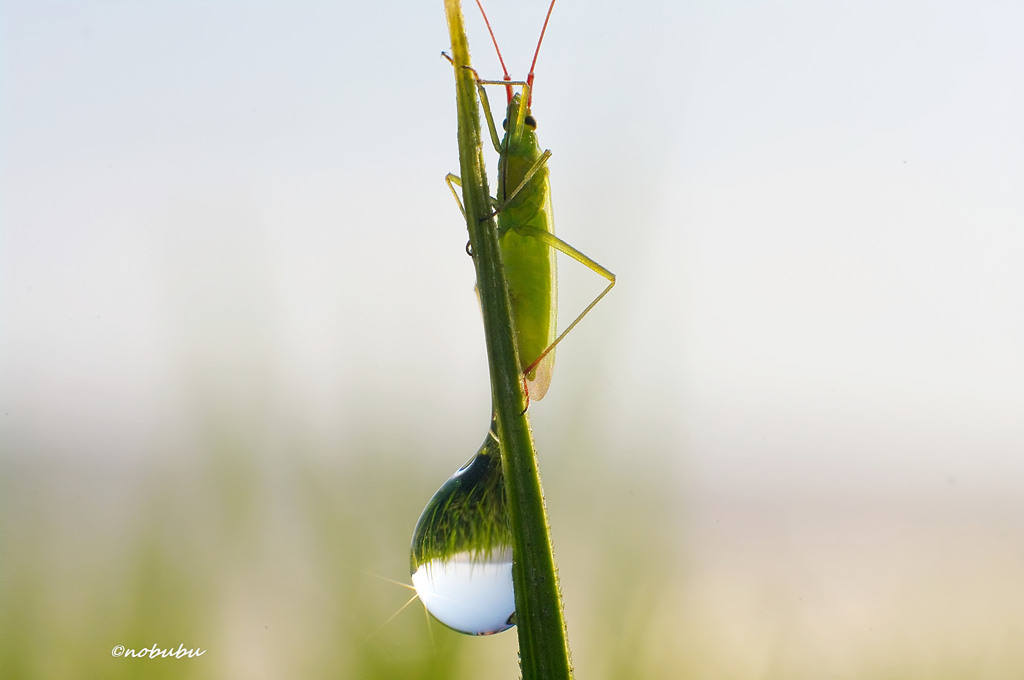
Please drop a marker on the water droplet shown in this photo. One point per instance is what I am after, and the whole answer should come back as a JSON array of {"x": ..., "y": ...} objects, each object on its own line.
[{"x": 462, "y": 549}]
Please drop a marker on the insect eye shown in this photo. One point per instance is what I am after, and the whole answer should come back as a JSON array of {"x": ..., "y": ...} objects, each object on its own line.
[{"x": 529, "y": 121}]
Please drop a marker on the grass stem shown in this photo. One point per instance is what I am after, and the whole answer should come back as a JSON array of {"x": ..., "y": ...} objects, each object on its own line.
[{"x": 543, "y": 643}]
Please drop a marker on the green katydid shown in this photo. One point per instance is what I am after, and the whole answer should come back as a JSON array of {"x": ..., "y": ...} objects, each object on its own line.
[
  {"x": 461, "y": 558},
  {"x": 526, "y": 226}
]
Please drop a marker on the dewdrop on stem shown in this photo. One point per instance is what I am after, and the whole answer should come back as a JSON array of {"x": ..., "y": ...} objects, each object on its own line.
[{"x": 461, "y": 560}]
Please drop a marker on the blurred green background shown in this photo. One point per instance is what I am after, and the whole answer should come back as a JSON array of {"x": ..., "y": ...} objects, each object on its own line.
[{"x": 239, "y": 347}]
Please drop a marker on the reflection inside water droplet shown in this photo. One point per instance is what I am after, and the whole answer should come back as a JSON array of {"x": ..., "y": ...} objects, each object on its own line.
[
  {"x": 470, "y": 596},
  {"x": 462, "y": 549}
]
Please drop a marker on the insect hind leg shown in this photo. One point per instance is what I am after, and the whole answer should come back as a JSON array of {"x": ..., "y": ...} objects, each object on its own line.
[{"x": 561, "y": 246}]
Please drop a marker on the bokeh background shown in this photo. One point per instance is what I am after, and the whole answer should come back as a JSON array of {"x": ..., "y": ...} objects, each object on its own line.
[{"x": 240, "y": 349}]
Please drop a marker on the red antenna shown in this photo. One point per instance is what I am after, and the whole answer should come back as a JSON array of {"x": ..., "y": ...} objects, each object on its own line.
[
  {"x": 508, "y": 88},
  {"x": 533, "y": 64},
  {"x": 529, "y": 78}
]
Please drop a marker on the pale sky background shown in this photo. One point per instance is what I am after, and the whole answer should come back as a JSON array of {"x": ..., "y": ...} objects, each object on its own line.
[{"x": 815, "y": 210}]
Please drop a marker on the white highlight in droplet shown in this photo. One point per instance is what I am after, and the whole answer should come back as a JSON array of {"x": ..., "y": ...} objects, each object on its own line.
[{"x": 473, "y": 595}]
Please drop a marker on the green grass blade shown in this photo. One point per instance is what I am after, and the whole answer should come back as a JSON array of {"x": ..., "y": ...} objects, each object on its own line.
[{"x": 543, "y": 644}]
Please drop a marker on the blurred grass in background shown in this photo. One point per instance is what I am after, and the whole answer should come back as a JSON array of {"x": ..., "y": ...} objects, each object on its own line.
[
  {"x": 279, "y": 568},
  {"x": 233, "y": 369}
]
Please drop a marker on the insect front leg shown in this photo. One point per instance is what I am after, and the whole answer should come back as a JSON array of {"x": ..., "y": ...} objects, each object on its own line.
[
  {"x": 485, "y": 102},
  {"x": 491, "y": 127}
]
